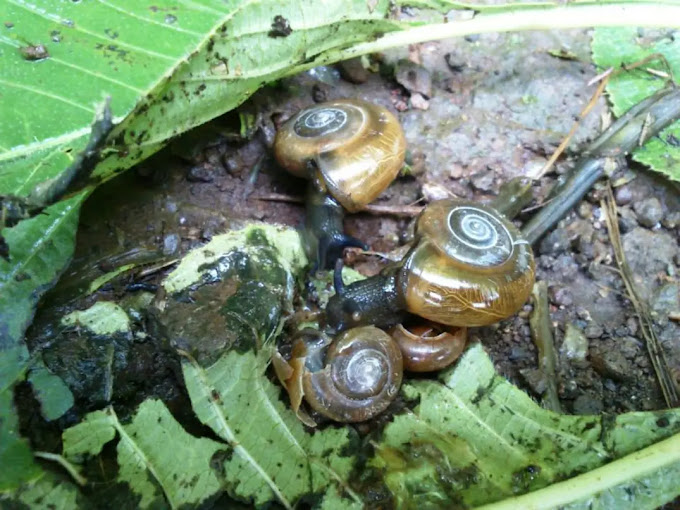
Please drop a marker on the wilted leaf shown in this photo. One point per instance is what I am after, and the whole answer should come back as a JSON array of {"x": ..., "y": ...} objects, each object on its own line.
[
  {"x": 272, "y": 457},
  {"x": 615, "y": 47},
  {"x": 54, "y": 396},
  {"x": 474, "y": 439},
  {"x": 156, "y": 456}
]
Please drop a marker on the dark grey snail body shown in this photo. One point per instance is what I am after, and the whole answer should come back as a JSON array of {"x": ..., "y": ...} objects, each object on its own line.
[
  {"x": 350, "y": 150},
  {"x": 469, "y": 266}
]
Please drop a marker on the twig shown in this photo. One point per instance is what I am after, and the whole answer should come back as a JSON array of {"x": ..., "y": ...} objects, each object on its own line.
[
  {"x": 400, "y": 211},
  {"x": 541, "y": 334},
  {"x": 637, "y": 125},
  {"x": 659, "y": 362},
  {"x": 70, "y": 468}
]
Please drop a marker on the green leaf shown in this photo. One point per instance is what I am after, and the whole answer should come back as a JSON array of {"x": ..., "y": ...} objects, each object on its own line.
[
  {"x": 615, "y": 47},
  {"x": 475, "y": 439},
  {"x": 156, "y": 456},
  {"x": 50, "y": 390},
  {"x": 40, "y": 249},
  {"x": 14, "y": 451},
  {"x": 46, "y": 493},
  {"x": 272, "y": 457}
]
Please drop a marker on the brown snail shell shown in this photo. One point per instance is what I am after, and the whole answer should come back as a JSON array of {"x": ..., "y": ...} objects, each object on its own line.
[
  {"x": 353, "y": 147},
  {"x": 428, "y": 347},
  {"x": 361, "y": 377},
  {"x": 469, "y": 267}
]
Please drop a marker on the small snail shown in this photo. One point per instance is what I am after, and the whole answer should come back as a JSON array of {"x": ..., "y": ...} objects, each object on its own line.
[
  {"x": 350, "y": 150},
  {"x": 469, "y": 266},
  {"x": 429, "y": 347},
  {"x": 351, "y": 380}
]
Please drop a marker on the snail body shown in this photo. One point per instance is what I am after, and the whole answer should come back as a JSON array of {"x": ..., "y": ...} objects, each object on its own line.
[
  {"x": 469, "y": 266},
  {"x": 350, "y": 150}
]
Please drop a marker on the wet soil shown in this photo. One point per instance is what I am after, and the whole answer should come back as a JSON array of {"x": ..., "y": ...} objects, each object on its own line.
[{"x": 476, "y": 112}]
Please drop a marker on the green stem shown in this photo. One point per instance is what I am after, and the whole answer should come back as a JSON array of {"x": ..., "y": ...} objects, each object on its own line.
[
  {"x": 540, "y": 17},
  {"x": 638, "y": 465}
]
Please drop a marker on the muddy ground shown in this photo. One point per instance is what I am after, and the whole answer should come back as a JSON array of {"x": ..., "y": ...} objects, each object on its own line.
[{"x": 476, "y": 112}]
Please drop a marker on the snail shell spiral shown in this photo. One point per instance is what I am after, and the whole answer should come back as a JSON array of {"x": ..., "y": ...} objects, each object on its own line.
[
  {"x": 361, "y": 377},
  {"x": 469, "y": 267},
  {"x": 357, "y": 149}
]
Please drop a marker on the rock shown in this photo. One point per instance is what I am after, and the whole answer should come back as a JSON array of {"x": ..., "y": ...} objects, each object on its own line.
[
  {"x": 353, "y": 71},
  {"x": 613, "y": 364},
  {"x": 483, "y": 181},
  {"x": 585, "y": 404},
  {"x": 319, "y": 93},
  {"x": 535, "y": 379},
  {"x": 575, "y": 344},
  {"x": 433, "y": 191},
  {"x": 585, "y": 210},
  {"x": 171, "y": 244},
  {"x": 594, "y": 330},
  {"x": 560, "y": 296},
  {"x": 414, "y": 78},
  {"x": 649, "y": 252},
  {"x": 201, "y": 173},
  {"x": 623, "y": 195},
  {"x": 418, "y": 102},
  {"x": 555, "y": 242},
  {"x": 666, "y": 300},
  {"x": 672, "y": 220},
  {"x": 649, "y": 211}
]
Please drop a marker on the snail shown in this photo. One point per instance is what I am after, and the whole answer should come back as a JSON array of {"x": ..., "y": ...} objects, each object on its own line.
[
  {"x": 429, "y": 347},
  {"x": 350, "y": 150},
  {"x": 349, "y": 379},
  {"x": 468, "y": 266}
]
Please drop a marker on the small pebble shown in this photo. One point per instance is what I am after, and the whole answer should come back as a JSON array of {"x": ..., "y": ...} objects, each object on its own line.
[
  {"x": 649, "y": 211},
  {"x": 171, "y": 244},
  {"x": 418, "y": 102},
  {"x": 555, "y": 242},
  {"x": 575, "y": 344},
  {"x": 672, "y": 220},
  {"x": 483, "y": 181},
  {"x": 612, "y": 364},
  {"x": 593, "y": 330},
  {"x": 353, "y": 71},
  {"x": 201, "y": 173},
  {"x": 623, "y": 195},
  {"x": 560, "y": 296},
  {"x": 585, "y": 210},
  {"x": 585, "y": 404},
  {"x": 414, "y": 78}
]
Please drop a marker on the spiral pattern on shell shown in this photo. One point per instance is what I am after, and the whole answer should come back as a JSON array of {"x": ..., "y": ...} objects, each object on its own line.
[
  {"x": 353, "y": 147},
  {"x": 361, "y": 377},
  {"x": 469, "y": 265}
]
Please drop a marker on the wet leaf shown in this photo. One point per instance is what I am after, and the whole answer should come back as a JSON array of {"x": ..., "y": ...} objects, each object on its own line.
[
  {"x": 156, "y": 456},
  {"x": 474, "y": 438},
  {"x": 50, "y": 390},
  {"x": 47, "y": 493},
  {"x": 616, "y": 47},
  {"x": 272, "y": 457}
]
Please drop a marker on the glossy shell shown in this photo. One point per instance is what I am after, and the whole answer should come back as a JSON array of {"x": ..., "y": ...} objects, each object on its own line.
[
  {"x": 428, "y": 347},
  {"x": 469, "y": 266},
  {"x": 356, "y": 147},
  {"x": 362, "y": 375}
]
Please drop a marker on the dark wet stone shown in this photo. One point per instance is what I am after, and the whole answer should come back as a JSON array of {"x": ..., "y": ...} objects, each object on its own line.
[
  {"x": 319, "y": 94},
  {"x": 586, "y": 404},
  {"x": 535, "y": 379},
  {"x": 627, "y": 221},
  {"x": 555, "y": 242},
  {"x": 201, "y": 173},
  {"x": 353, "y": 71},
  {"x": 649, "y": 211},
  {"x": 232, "y": 164}
]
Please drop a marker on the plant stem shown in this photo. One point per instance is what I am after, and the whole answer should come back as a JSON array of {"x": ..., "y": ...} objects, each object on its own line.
[
  {"x": 548, "y": 17},
  {"x": 638, "y": 465}
]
